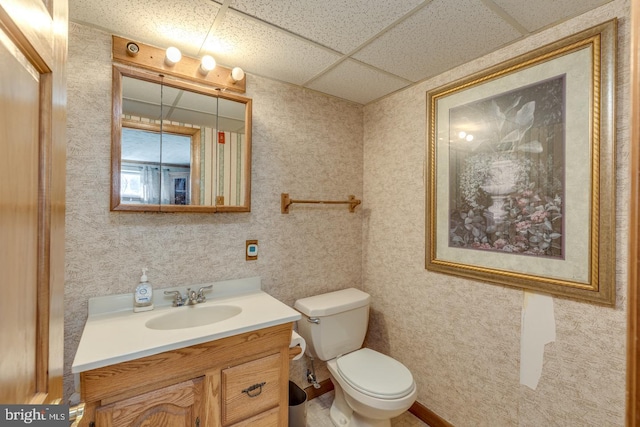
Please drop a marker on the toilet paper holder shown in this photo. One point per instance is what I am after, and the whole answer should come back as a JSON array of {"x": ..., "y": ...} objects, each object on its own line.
[{"x": 297, "y": 346}]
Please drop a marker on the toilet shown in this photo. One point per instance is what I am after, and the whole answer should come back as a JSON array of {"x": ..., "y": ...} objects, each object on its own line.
[{"x": 370, "y": 387}]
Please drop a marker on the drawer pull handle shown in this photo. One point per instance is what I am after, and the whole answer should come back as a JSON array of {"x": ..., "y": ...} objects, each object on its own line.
[{"x": 251, "y": 391}]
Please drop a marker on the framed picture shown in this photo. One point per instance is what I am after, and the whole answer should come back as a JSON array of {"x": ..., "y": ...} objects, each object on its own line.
[{"x": 521, "y": 171}]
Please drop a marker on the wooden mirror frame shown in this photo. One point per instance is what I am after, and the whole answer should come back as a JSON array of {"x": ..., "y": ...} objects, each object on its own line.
[{"x": 120, "y": 71}]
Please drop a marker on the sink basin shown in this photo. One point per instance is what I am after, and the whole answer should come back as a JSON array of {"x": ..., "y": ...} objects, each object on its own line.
[{"x": 191, "y": 317}]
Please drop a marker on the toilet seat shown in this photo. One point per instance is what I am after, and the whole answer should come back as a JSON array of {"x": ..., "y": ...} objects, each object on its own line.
[{"x": 375, "y": 374}]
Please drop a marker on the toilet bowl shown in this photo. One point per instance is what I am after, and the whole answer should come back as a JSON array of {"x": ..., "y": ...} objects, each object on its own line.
[
  {"x": 370, "y": 387},
  {"x": 379, "y": 389}
]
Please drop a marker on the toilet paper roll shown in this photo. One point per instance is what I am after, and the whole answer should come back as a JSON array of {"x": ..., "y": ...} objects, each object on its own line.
[{"x": 297, "y": 340}]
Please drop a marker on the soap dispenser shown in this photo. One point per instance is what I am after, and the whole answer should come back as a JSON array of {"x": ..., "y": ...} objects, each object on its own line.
[{"x": 143, "y": 297}]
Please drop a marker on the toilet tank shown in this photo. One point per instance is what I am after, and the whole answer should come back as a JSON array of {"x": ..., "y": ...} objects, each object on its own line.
[{"x": 334, "y": 323}]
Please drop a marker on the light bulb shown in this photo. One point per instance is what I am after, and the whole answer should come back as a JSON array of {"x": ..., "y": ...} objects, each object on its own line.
[
  {"x": 469, "y": 138},
  {"x": 173, "y": 56},
  {"x": 207, "y": 63},
  {"x": 462, "y": 134},
  {"x": 237, "y": 74}
]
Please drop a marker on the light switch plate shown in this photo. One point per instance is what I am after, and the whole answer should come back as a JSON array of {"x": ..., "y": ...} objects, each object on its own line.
[{"x": 251, "y": 250}]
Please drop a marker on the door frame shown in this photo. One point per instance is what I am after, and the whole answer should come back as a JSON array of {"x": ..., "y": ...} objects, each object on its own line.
[{"x": 633, "y": 297}]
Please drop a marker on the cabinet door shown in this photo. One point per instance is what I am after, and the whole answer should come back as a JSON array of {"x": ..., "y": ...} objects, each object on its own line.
[{"x": 179, "y": 405}]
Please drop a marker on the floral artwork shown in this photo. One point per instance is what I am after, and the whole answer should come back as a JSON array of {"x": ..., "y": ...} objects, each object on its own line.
[
  {"x": 507, "y": 156},
  {"x": 520, "y": 171}
]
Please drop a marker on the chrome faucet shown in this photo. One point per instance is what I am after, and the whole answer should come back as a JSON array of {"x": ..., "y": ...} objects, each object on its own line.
[
  {"x": 178, "y": 301},
  {"x": 191, "y": 298},
  {"x": 201, "y": 297}
]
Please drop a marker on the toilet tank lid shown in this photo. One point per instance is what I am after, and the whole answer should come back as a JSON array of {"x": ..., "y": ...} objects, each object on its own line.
[{"x": 332, "y": 302}]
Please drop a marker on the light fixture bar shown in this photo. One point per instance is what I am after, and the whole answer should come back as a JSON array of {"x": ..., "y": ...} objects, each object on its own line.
[{"x": 153, "y": 58}]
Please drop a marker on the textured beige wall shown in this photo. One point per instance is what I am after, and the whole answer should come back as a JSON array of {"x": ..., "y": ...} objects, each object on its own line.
[
  {"x": 461, "y": 339},
  {"x": 306, "y": 144}
]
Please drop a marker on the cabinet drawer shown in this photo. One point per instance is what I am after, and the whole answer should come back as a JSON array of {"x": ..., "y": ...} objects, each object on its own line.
[
  {"x": 265, "y": 419},
  {"x": 250, "y": 388}
]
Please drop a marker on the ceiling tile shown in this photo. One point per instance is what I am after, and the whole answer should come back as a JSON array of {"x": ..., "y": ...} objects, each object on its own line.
[
  {"x": 158, "y": 22},
  {"x": 341, "y": 25},
  {"x": 357, "y": 82},
  {"x": 440, "y": 36},
  {"x": 266, "y": 51},
  {"x": 546, "y": 11}
]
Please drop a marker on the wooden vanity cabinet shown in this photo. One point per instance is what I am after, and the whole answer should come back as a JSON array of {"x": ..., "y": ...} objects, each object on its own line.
[{"x": 230, "y": 382}]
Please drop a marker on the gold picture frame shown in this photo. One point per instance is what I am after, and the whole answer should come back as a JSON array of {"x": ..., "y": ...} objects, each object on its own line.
[{"x": 521, "y": 171}]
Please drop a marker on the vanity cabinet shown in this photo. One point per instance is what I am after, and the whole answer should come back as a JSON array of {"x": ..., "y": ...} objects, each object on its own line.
[{"x": 237, "y": 381}]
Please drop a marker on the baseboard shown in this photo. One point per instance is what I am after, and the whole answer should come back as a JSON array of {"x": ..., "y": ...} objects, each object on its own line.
[
  {"x": 427, "y": 416},
  {"x": 325, "y": 387},
  {"x": 420, "y": 411}
]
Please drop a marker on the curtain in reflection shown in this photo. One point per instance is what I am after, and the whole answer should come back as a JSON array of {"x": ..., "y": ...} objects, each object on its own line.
[
  {"x": 166, "y": 183},
  {"x": 150, "y": 180}
]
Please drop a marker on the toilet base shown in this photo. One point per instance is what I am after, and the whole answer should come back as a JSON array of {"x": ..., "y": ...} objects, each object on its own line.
[
  {"x": 342, "y": 415},
  {"x": 340, "y": 419}
]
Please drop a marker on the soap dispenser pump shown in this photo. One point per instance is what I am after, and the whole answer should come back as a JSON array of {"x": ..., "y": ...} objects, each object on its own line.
[{"x": 143, "y": 297}]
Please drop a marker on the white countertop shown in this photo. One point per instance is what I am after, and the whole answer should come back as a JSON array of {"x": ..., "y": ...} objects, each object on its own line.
[{"x": 113, "y": 333}]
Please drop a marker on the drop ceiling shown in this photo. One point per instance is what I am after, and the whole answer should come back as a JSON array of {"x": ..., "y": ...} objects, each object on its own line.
[{"x": 358, "y": 50}]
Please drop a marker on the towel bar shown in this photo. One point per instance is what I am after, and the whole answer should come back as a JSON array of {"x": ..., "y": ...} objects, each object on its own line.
[{"x": 285, "y": 202}]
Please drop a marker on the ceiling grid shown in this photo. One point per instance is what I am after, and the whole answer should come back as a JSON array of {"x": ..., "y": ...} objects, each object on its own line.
[{"x": 358, "y": 50}]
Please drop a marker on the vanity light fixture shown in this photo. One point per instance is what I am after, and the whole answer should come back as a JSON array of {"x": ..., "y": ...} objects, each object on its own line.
[
  {"x": 207, "y": 63},
  {"x": 166, "y": 61},
  {"x": 237, "y": 74},
  {"x": 172, "y": 56}
]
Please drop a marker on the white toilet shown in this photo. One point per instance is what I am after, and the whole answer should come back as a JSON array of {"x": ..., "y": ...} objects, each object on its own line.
[{"x": 370, "y": 388}]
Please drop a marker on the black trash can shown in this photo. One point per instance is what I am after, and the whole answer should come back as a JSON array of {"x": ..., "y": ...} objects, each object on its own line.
[{"x": 297, "y": 406}]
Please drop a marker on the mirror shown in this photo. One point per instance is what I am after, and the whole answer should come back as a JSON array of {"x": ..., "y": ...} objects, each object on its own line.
[{"x": 178, "y": 146}]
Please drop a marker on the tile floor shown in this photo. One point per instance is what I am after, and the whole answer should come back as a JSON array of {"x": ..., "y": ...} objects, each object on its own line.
[{"x": 318, "y": 414}]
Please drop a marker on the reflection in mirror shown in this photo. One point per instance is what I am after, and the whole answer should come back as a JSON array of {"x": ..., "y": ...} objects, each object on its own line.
[
  {"x": 178, "y": 146},
  {"x": 154, "y": 163}
]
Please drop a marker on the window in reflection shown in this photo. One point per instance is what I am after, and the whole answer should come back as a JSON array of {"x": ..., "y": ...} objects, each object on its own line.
[{"x": 149, "y": 173}]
